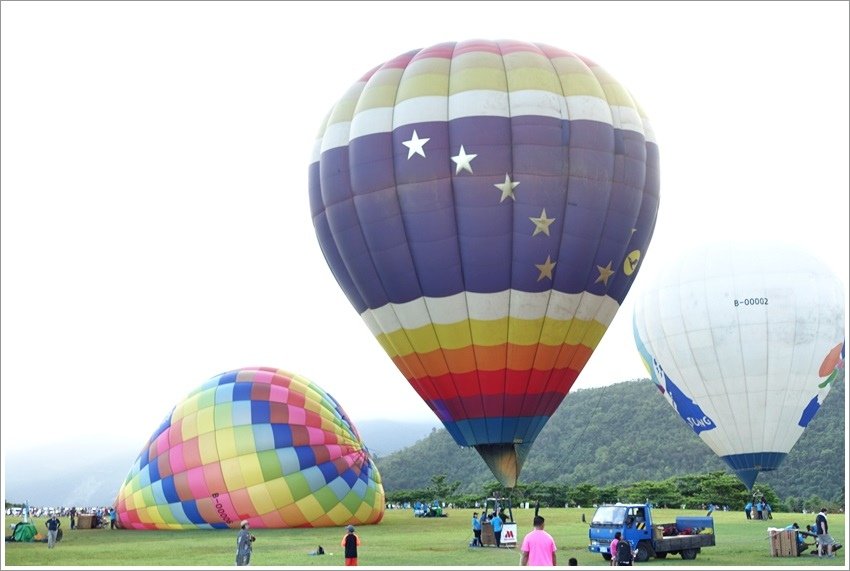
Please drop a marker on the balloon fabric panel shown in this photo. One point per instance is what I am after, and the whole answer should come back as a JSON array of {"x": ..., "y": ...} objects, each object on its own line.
[
  {"x": 484, "y": 206},
  {"x": 259, "y": 444}
]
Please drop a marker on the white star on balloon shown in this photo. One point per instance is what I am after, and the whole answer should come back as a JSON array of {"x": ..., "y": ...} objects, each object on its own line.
[
  {"x": 462, "y": 160},
  {"x": 507, "y": 188},
  {"x": 415, "y": 145}
]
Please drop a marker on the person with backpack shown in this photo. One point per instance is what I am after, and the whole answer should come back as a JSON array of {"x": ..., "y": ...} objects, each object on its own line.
[
  {"x": 625, "y": 555},
  {"x": 350, "y": 541},
  {"x": 613, "y": 547}
]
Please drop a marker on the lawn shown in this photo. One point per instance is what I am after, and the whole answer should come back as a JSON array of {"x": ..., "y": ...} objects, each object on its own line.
[{"x": 400, "y": 540}]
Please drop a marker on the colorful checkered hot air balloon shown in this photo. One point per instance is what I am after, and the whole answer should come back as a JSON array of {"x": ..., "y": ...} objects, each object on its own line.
[
  {"x": 485, "y": 205},
  {"x": 255, "y": 444}
]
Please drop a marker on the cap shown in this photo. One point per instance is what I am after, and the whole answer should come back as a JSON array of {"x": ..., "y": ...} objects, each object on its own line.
[
  {"x": 244, "y": 522},
  {"x": 350, "y": 528}
]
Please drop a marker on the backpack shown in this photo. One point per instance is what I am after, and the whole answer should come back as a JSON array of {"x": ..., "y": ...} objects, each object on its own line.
[{"x": 624, "y": 552}]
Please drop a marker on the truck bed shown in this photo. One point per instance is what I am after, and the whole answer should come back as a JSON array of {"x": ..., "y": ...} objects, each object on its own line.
[{"x": 680, "y": 542}]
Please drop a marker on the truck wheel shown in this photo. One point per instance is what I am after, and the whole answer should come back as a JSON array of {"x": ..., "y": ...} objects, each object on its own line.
[
  {"x": 689, "y": 554},
  {"x": 644, "y": 552}
]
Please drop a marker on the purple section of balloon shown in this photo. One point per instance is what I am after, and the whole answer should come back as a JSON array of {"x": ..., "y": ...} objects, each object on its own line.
[{"x": 412, "y": 225}]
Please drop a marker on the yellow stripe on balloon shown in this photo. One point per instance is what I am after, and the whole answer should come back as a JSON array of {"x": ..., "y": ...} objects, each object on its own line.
[{"x": 528, "y": 332}]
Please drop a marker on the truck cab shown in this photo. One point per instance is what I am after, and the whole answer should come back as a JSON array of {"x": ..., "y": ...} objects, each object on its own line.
[{"x": 647, "y": 538}]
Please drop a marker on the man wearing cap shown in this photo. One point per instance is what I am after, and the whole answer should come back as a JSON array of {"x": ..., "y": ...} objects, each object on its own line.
[
  {"x": 350, "y": 541},
  {"x": 244, "y": 544}
]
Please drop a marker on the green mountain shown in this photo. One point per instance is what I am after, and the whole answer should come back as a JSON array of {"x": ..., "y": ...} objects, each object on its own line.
[{"x": 626, "y": 433}]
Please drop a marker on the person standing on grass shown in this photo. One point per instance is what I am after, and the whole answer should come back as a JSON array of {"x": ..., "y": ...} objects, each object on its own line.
[
  {"x": 538, "y": 547},
  {"x": 625, "y": 555},
  {"x": 476, "y": 531},
  {"x": 825, "y": 541},
  {"x": 612, "y": 549},
  {"x": 350, "y": 542},
  {"x": 244, "y": 544},
  {"x": 52, "y": 530},
  {"x": 497, "y": 522}
]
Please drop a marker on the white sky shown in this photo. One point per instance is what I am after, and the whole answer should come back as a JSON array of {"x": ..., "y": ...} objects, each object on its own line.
[{"x": 156, "y": 229}]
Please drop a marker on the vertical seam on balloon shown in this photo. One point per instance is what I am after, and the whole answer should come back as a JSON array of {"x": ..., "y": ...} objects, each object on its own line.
[
  {"x": 476, "y": 432},
  {"x": 390, "y": 303},
  {"x": 743, "y": 364},
  {"x": 511, "y": 235},
  {"x": 584, "y": 293},
  {"x": 546, "y": 398},
  {"x": 714, "y": 439}
]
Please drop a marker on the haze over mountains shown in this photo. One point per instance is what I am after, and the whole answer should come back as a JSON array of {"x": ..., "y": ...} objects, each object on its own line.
[
  {"x": 621, "y": 433},
  {"x": 89, "y": 473}
]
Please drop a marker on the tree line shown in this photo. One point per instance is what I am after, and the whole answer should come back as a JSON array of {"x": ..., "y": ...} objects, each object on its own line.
[
  {"x": 624, "y": 441},
  {"x": 695, "y": 491}
]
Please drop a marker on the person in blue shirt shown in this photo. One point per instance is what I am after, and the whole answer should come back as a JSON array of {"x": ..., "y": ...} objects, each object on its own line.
[
  {"x": 476, "y": 531},
  {"x": 496, "y": 520},
  {"x": 748, "y": 510}
]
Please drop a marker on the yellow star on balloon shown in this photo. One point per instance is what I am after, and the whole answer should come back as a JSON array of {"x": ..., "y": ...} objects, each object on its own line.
[
  {"x": 605, "y": 273},
  {"x": 545, "y": 268},
  {"x": 541, "y": 224}
]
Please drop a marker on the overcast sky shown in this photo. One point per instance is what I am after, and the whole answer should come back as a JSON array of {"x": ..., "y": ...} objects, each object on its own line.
[{"x": 156, "y": 229}]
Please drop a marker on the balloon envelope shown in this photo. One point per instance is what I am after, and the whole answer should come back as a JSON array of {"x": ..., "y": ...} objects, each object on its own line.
[
  {"x": 744, "y": 340},
  {"x": 484, "y": 205},
  {"x": 255, "y": 444}
]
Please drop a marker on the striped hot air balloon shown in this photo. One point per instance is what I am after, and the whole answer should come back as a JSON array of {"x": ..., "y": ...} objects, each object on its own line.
[
  {"x": 256, "y": 444},
  {"x": 485, "y": 205}
]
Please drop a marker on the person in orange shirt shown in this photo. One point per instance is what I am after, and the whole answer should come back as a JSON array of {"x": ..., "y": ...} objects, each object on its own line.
[{"x": 350, "y": 542}]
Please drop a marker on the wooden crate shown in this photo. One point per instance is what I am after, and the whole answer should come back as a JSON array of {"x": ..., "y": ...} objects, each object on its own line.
[
  {"x": 85, "y": 521},
  {"x": 783, "y": 543}
]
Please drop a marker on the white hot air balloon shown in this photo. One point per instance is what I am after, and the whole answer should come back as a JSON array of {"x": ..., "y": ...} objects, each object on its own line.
[{"x": 745, "y": 341}]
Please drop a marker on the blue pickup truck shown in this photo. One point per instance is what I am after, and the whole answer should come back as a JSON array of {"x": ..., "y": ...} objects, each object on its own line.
[{"x": 686, "y": 536}]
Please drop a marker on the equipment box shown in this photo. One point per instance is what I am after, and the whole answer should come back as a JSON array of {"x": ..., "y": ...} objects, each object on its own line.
[{"x": 783, "y": 543}]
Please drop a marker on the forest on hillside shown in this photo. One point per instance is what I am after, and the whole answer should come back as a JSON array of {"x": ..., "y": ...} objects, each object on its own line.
[{"x": 626, "y": 433}]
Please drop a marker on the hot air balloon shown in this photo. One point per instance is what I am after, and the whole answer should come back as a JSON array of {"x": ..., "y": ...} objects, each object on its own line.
[
  {"x": 744, "y": 340},
  {"x": 256, "y": 444},
  {"x": 484, "y": 205}
]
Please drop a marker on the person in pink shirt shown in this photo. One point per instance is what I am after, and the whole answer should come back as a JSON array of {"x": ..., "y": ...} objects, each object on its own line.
[
  {"x": 538, "y": 547},
  {"x": 613, "y": 551}
]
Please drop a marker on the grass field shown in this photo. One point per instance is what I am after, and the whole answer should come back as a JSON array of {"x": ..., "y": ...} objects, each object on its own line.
[{"x": 400, "y": 540}]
